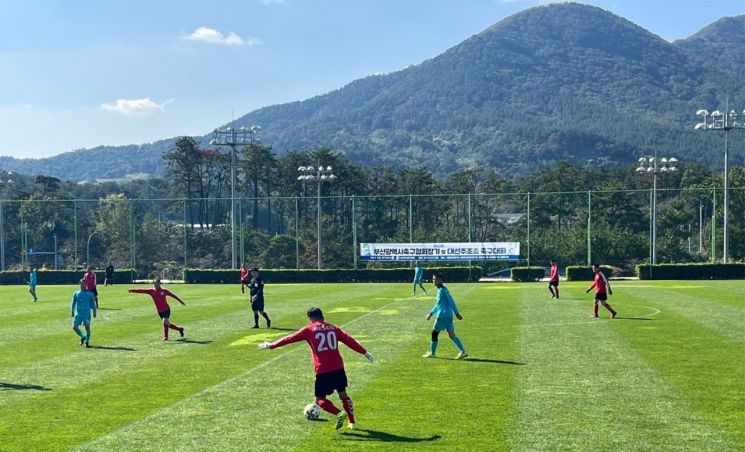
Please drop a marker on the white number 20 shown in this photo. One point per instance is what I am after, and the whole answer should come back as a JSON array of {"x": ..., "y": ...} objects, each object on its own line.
[{"x": 326, "y": 341}]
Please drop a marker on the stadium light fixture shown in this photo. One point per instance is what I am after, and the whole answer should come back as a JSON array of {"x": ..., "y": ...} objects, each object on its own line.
[
  {"x": 232, "y": 137},
  {"x": 723, "y": 122},
  {"x": 656, "y": 166},
  {"x": 319, "y": 175}
]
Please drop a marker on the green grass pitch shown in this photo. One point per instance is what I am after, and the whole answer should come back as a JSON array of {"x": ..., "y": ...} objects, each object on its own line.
[{"x": 542, "y": 374}]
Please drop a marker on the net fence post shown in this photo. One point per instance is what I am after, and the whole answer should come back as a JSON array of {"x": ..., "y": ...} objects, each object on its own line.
[
  {"x": 354, "y": 232},
  {"x": 589, "y": 227}
]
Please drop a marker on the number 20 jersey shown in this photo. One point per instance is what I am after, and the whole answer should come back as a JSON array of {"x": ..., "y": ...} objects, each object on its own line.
[{"x": 323, "y": 339}]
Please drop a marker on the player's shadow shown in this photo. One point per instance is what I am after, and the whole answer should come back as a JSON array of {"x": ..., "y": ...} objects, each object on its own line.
[
  {"x": 283, "y": 329},
  {"x": 363, "y": 434},
  {"x": 484, "y": 360},
  {"x": 191, "y": 341},
  {"x": 106, "y": 347},
  {"x": 15, "y": 387},
  {"x": 318, "y": 419},
  {"x": 109, "y": 309},
  {"x": 633, "y": 318}
]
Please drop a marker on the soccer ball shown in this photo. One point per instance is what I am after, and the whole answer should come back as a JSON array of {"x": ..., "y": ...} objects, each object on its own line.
[{"x": 312, "y": 411}]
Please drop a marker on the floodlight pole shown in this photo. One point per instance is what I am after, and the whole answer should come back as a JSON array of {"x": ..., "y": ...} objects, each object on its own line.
[
  {"x": 3, "y": 183},
  {"x": 318, "y": 174},
  {"x": 725, "y": 121},
  {"x": 655, "y": 166},
  {"x": 232, "y": 137}
]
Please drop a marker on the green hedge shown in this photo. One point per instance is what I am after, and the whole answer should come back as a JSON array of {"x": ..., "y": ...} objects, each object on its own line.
[
  {"x": 452, "y": 274},
  {"x": 691, "y": 271},
  {"x": 43, "y": 277},
  {"x": 583, "y": 273},
  {"x": 526, "y": 274}
]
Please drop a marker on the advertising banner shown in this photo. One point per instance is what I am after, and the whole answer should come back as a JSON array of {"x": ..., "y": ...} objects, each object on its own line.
[{"x": 456, "y": 251}]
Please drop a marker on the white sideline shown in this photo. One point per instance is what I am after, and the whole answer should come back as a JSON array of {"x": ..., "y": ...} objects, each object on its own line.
[{"x": 136, "y": 423}]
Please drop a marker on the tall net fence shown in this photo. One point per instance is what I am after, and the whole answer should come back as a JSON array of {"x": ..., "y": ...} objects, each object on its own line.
[{"x": 164, "y": 236}]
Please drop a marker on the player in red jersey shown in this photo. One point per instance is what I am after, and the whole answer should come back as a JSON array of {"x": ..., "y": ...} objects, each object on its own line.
[
  {"x": 324, "y": 339},
  {"x": 600, "y": 284},
  {"x": 90, "y": 283},
  {"x": 164, "y": 309},
  {"x": 244, "y": 278},
  {"x": 553, "y": 280}
]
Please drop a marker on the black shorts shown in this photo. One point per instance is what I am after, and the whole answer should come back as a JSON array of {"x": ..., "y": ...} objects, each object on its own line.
[
  {"x": 328, "y": 382},
  {"x": 553, "y": 283},
  {"x": 94, "y": 291},
  {"x": 601, "y": 296},
  {"x": 165, "y": 314},
  {"x": 258, "y": 305}
]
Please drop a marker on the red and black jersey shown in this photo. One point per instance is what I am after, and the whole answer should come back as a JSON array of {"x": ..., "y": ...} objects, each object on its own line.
[{"x": 323, "y": 339}]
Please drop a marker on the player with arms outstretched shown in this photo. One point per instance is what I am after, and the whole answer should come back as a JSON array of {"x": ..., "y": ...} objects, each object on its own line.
[
  {"x": 159, "y": 296},
  {"x": 80, "y": 309},
  {"x": 444, "y": 310},
  {"x": 324, "y": 339},
  {"x": 602, "y": 290}
]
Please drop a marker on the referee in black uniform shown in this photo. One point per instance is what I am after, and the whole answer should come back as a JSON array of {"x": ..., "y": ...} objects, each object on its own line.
[{"x": 257, "y": 298}]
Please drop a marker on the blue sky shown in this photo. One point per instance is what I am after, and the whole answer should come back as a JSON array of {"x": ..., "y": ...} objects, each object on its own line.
[{"x": 80, "y": 73}]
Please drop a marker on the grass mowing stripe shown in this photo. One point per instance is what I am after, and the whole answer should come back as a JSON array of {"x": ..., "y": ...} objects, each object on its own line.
[
  {"x": 421, "y": 403},
  {"x": 585, "y": 388},
  {"x": 701, "y": 363},
  {"x": 271, "y": 409},
  {"x": 129, "y": 395}
]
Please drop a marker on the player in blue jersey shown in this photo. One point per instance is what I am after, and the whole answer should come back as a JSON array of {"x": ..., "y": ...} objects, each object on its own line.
[
  {"x": 83, "y": 302},
  {"x": 418, "y": 276},
  {"x": 32, "y": 283},
  {"x": 443, "y": 311}
]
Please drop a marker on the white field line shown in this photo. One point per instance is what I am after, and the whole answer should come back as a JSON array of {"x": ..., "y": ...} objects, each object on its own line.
[
  {"x": 655, "y": 312},
  {"x": 136, "y": 423}
]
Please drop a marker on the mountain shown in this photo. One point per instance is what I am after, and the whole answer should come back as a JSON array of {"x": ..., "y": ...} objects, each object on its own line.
[{"x": 557, "y": 82}]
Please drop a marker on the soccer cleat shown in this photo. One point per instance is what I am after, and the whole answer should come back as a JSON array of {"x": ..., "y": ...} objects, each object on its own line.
[
  {"x": 428, "y": 355},
  {"x": 351, "y": 426},
  {"x": 613, "y": 316},
  {"x": 462, "y": 355},
  {"x": 165, "y": 339},
  {"x": 181, "y": 331},
  {"x": 87, "y": 345},
  {"x": 268, "y": 323},
  {"x": 82, "y": 340},
  {"x": 255, "y": 326},
  {"x": 340, "y": 419}
]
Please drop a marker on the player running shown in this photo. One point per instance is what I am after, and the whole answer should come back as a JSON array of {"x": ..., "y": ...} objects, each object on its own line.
[
  {"x": 109, "y": 280},
  {"x": 32, "y": 283},
  {"x": 257, "y": 298},
  {"x": 90, "y": 283},
  {"x": 324, "y": 339},
  {"x": 553, "y": 280},
  {"x": 444, "y": 309},
  {"x": 418, "y": 276},
  {"x": 244, "y": 278},
  {"x": 164, "y": 309},
  {"x": 80, "y": 308},
  {"x": 600, "y": 284}
]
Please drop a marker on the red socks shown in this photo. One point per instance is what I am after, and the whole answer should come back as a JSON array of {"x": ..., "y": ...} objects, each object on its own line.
[
  {"x": 328, "y": 406},
  {"x": 174, "y": 327},
  {"x": 349, "y": 408}
]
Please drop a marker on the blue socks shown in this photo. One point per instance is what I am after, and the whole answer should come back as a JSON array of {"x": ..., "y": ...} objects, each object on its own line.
[
  {"x": 458, "y": 344},
  {"x": 433, "y": 347}
]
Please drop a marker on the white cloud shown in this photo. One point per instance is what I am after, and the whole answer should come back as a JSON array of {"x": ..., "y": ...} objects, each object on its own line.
[
  {"x": 136, "y": 107},
  {"x": 212, "y": 36}
]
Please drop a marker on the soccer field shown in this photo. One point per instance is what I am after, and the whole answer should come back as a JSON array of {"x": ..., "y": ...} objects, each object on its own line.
[{"x": 542, "y": 374}]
